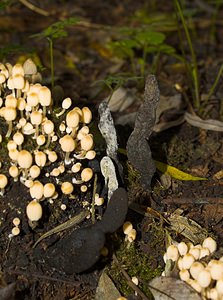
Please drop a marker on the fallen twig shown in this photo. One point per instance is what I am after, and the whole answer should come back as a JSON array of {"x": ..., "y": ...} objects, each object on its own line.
[{"x": 35, "y": 8}]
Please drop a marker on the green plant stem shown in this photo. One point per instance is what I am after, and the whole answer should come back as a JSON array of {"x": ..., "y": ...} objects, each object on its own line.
[
  {"x": 51, "y": 61},
  {"x": 194, "y": 69},
  {"x": 213, "y": 87}
]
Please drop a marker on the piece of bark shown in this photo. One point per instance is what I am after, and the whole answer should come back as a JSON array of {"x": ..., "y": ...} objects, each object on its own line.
[{"x": 138, "y": 150}]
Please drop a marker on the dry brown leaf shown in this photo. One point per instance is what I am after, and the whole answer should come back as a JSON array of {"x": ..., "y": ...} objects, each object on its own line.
[
  {"x": 168, "y": 288},
  {"x": 106, "y": 289}
]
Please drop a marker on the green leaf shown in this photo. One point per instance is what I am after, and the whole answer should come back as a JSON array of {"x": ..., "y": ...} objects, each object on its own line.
[
  {"x": 57, "y": 29},
  {"x": 175, "y": 173},
  {"x": 150, "y": 38}
]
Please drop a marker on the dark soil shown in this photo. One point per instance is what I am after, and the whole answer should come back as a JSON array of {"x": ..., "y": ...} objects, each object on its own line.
[{"x": 81, "y": 60}]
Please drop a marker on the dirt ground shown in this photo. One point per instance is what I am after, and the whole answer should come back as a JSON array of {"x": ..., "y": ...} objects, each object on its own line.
[{"x": 82, "y": 61}]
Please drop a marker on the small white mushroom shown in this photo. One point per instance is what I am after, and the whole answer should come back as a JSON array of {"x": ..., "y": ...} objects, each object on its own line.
[
  {"x": 25, "y": 161},
  {"x": 66, "y": 104},
  {"x": 86, "y": 174},
  {"x": 204, "y": 278},
  {"x": 36, "y": 190},
  {"x": 49, "y": 190},
  {"x": 34, "y": 211},
  {"x": 86, "y": 115},
  {"x": 14, "y": 172},
  {"x": 210, "y": 243},
  {"x": 3, "y": 183},
  {"x": 68, "y": 145},
  {"x": 67, "y": 188},
  {"x": 9, "y": 115},
  {"x": 72, "y": 121}
]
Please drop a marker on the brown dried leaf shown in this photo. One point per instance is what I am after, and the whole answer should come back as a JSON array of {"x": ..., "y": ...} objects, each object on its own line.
[
  {"x": 106, "y": 289},
  {"x": 168, "y": 288}
]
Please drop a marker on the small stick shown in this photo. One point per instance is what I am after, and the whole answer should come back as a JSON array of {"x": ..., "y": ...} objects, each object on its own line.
[
  {"x": 35, "y": 8},
  {"x": 129, "y": 280}
]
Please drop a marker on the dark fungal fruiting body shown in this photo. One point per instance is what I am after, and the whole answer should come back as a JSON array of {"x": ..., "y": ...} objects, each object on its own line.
[{"x": 80, "y": 250}]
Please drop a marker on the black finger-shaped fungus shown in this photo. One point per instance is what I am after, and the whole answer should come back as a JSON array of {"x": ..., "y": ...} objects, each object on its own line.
[
  {"x": 138, "y": 150},
  {"x": 80, "y": 250},
  {"x": 116, "y": 211}
]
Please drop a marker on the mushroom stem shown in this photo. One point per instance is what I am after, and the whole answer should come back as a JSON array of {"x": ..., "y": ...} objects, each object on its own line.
[
  {"x": 9, "y": 129},
  {"x": 48, "y": 141},
  {"x": 67, "y": 158},
  {"x": 61, "y": 113}
]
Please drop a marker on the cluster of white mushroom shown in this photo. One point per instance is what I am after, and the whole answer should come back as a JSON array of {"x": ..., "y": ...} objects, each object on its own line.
[
  {"x": 205, "y": 278},
  {"x": 129, "y": 231},
  {"x": 26, "y": 106}
]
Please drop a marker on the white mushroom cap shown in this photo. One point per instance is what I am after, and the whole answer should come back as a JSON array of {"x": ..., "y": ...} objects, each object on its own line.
[
  {"x": 195, "y": 252},
  {"x": 14, "y": 171},
  {"x": 24, "y": 159},
  {"x": 210, "y": 243},
  {"x": 34, "y": 211},
  {"x": 67, "y": 143},
  {"x": 32, "y": 99},
  {"x": 28, "y": 129},
  {"x": 87, "y": 142},
  {"x": 17, "y": 69},
  {"x": 15, "y": 231},
  {"x": 127, "y": 227},
  {"x": 21, "y": 103},
  {"x": 66, "y": 103},
  {"x": 52, "y": 156},
  {"x": 34, "y": 171},
  {"x": 82, "y": 132},
  {"x": 187, "y": 261},
  {"x": 76, "y": 167},
  {"x": 9, "y": 113},
  {"x": 196, "y": 268},
  {"x": 90, "y": 154},
  {"x": 29, "y": 67},
  {"x": 11, "y": 145},
  {"x": 36, "y": 190},
  {"x": 184, "y": 275},
  {"x": 132, "y": 235},
  {"x": 10, "y": 83},
  {"x": 216, "y": 269},
  {"x": 204, "y": 252},
  {"x": 49, "y": 190},
  {"x": 18, "y": 138},
  {"x": 40, "y": 158},
  {"x": 172, "y": 253},
  {"x": 16, "y": 221},
  {"x": 40, "y": 140},
  {"x": 3, "y": 181},
  {"x": 72, "y": 119},
  {"x": 34, "y": 88},
  {"x": 86, "y": 115},
  {"x": 36, "y": 117},
  {"x": 48, "y": 127},
  {"x": 86, "y": 174},
  {"x": 28, "y": 183},
  {"x": 10, "y": 101},
  {"x": 83, "y": 189},
  {"x": 55, "y": 172},
  {"x": 18, "y": 81},
  {"x": 182, "y": 248},
  {"x": 13, "y": 154},
  {"x": 204, "y": 278},
  {"x": 44, "y": 96},
  {"x": 67, "y": 188}
]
